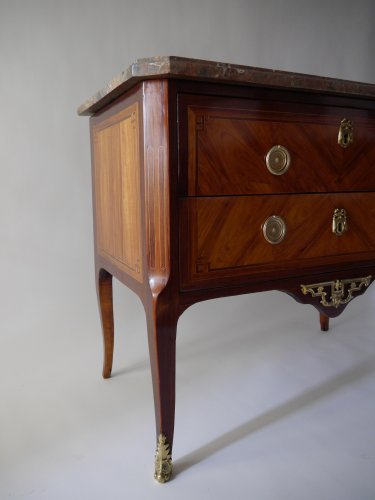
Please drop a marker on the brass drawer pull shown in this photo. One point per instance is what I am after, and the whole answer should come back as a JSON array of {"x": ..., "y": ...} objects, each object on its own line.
[
  {"x": 274, "y": 229},
  {"x": 278, "y": 160},
  {"x": 345, "y": 137},
  {"x": 339, "y": 222}
]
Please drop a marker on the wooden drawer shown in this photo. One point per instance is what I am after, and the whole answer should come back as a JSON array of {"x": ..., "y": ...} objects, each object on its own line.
[
  {"x": 228, "y": 141},
  {"x": 223, "y": 237}
]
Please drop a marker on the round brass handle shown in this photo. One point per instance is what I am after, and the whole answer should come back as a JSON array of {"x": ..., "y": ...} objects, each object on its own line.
[
  {"x": 274, "y": 229},
  {"x": 278, "y": 160}
]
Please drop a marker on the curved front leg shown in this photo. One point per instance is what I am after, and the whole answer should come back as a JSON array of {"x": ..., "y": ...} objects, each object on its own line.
[
  {"x": 105, "y": 300},
  {"x": 162, "y": 327}
]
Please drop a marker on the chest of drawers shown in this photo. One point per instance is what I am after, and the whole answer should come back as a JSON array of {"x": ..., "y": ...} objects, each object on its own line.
[{"x": 212, "y": 180}]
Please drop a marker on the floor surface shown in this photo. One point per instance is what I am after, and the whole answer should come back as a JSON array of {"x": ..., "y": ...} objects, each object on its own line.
[{"x": 268, "y": 407}]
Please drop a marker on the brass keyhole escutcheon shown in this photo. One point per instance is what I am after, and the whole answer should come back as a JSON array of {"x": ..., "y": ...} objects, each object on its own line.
[
  {"x": 345, "y": 137},
  {"x": 278, "y": 160},
  {"x": 339, "y": 222},
  {"x": 274, "y": 229}
]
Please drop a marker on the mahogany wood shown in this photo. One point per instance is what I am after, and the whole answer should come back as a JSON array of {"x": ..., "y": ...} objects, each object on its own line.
[
  {"x": 181, "y": 191},
  {"x": 324, "y": 322},
  {"x": 161, "y": 305},
  {"x": 228, "y": 140},
  {"x": 117, "y": 200},
  {"x": 105, "y": 299},
  {"x": 222, "y": 236},
  {"x": 162, "y": 317}
]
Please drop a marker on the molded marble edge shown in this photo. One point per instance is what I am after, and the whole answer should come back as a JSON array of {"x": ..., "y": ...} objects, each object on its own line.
[{"x": 196, "y": 69}]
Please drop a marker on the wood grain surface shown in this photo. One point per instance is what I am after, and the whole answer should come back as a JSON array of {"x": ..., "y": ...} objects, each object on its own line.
[
  {"x": 181, "y": 192},
  {"x": 229, "y": 140},
  {"x": 117, "y": 188},
  {"x": 223, "y": 235}
]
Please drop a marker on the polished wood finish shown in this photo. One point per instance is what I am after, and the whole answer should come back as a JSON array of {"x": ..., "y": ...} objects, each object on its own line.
[
  {"x": 116, "y": 177},
  {"x": 162, "y": 317},
  {"x": 131, "y": 185},
  {"x": 324, "y": 322},
  {"x": 181, "y": 193},
  {"x": 228, "y": 140},
  {"x": 161, "y": 306},
  {"x": 156, "y": 179},
  {"x": 105, "y": 299},
  {"x": 223, "y": 237}
]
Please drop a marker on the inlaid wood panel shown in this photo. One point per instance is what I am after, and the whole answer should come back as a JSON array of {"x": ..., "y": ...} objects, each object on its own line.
[
  {"x": 117, "y": 190},
  {"x": 223, "y": 236},
  {"x": 229, "y": 140}
]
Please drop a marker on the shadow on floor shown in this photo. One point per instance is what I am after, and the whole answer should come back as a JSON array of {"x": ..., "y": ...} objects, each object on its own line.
[{"x": 276, "y": 414}]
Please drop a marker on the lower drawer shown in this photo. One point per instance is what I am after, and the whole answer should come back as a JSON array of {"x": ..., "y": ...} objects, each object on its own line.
[{"x": 227, "y": 239}]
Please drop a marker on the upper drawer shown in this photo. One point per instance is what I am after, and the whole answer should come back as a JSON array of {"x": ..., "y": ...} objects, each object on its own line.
[{"x": 232, "y": 147}]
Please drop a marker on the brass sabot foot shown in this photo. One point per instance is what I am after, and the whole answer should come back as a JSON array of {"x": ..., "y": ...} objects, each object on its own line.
[{"x": 163, "y": 460}]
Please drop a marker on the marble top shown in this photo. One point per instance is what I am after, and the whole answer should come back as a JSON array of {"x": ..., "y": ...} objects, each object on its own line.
[{"x": 195, "y": 69}]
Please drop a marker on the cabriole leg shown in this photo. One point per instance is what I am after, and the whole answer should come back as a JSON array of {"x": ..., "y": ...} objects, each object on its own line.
[{"x": 105, "y": 300}]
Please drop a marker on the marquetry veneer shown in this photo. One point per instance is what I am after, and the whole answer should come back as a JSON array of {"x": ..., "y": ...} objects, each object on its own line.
[{"x": 212, "y": 180}]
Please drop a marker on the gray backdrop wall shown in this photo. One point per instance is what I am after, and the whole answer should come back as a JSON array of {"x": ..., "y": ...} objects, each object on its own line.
[{"x": 55, "y": 54}]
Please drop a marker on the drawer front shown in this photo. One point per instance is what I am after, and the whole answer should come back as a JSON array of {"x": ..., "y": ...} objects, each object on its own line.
[
  {"x": 233, "y": 147},
  {"x": 225, "y": 237}
]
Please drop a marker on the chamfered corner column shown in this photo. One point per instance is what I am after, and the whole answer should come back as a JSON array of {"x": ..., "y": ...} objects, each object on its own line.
[
  {"x": 105, "y": 301},
  {"x": 161, "y": 301},
  {"x": 162, "y": 327}
]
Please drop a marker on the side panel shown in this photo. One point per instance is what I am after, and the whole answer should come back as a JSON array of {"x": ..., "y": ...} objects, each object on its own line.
[{"x": 117, "y": 190}]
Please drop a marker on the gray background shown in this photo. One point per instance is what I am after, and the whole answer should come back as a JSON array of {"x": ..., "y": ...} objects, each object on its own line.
[{"x": 266, "y": 405}]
